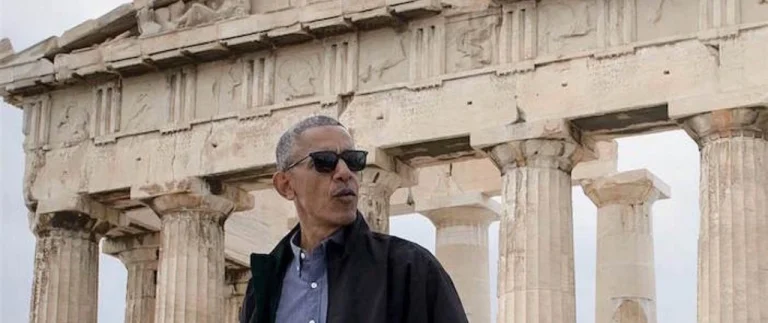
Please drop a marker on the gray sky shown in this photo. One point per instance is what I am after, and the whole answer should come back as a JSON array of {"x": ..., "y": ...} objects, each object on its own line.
[{"x": 672, "y": 156}]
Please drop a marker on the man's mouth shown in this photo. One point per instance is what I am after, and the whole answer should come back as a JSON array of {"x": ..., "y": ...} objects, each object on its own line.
[{"x": 345, "y": 192}]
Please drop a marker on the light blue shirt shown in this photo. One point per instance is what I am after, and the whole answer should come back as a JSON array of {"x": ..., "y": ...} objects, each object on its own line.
[{"x": 304, "y": 297}]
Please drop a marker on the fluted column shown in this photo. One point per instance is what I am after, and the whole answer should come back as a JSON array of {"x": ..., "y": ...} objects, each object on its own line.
[
  {"x": 626, "y": 280},
  {"x": 462, "y": 248},
  {"x": 140, "y": 255},
  {"x": 733, "y": 196},
  {"x": 66, "y": 279},
  {"x": 376, "y": 187},
  {"x": 190, "y": 279},
  {"x": 536, "y": 265},
  {"x": 236, "y": 284}
]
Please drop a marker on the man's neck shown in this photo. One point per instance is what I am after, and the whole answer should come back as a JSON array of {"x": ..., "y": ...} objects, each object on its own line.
[{"x": 312, "y": 236}]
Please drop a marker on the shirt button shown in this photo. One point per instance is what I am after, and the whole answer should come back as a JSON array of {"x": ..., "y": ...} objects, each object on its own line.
[
  {"x": 311, "y": 321},
  {"x": 314, "y": 285},
  {"x": 303, "y": 256}
]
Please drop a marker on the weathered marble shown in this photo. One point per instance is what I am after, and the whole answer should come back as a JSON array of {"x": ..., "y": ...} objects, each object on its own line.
[
  {"x": 733, "y": 248},
  {"x": 536, "y": 265},
  {"x": 191, "y": 247},
  {"x": 140, "y": 255},
  {"x": 626, "y": 280},
  {"x": 66, "y": 281},
  {"x": 236, "y": 285},
  {"x": 376, "y": 187},
  {"x": 462, "y": 248}
]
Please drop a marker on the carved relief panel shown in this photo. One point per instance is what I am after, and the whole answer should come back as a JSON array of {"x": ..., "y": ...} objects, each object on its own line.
[
  {"x": 471, "y": 41},
  {"x": 298, "y": 72},
  {"x": 753, "y": 11},
  {"x": 566, "y": 26},
  {"x": 259, "y": 84},
  {"x": 340, "y": 65},
  {"x": 383, "y": 58},
  {"x": 719, "y": 13},
  {"x": 664, "y": 18},
  {"x": 181, "y": 85},
  {"x": 517, "y": 39},
  {"x": 219, "y": 88},
  {"x": 105, "y": 116},
  {"x": 427, "y": 48},
  {"x": 37, "y": 121},
  {"x": 616, "y": 24},
  {"x": 266, "y": 6}
]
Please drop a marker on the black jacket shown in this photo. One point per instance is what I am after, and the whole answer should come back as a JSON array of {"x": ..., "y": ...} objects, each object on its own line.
[{"x": 372, "y": 278}]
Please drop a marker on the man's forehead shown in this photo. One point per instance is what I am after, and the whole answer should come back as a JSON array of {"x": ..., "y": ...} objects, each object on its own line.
[{"x": 325, "y": 138}]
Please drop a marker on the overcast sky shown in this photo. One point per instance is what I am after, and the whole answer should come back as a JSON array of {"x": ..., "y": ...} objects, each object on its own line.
[{"x": 672, "y": 156}]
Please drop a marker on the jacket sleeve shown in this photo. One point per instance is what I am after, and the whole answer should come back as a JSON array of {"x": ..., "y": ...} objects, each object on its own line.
[{"x": 440, "y": 298}]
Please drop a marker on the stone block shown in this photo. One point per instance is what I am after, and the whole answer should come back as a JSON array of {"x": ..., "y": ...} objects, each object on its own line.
[
  {"x": 543, "y": 129},
  {"x": 98, "y": 30},
  {"x": 744, "y": 97},
  {"x": 605, "y": 164},
  {"x": 626, "y": 188},
  {"x": 473, "y": 199}
]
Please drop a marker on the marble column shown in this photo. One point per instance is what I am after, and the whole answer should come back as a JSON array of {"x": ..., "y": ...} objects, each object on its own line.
[
  {"x": 139, "y": 254},
  {"x": 536, "y": 264},
  {"x": 66, "y": 273},
  {"x": 733, "y": 196},
  {"x": 626, "y": 280},
  {"x": 190, "y": 279},
  {"x": 236, "y": 284},
  {"x": 376, "y": 187},
  {"x": 462, "y": 248}
]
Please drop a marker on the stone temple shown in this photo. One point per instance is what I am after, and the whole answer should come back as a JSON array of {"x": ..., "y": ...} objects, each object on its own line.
[{"x": 151, "y": 131}]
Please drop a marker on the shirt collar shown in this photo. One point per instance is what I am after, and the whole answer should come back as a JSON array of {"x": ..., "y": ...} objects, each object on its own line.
[{"x": 337, "y": 237}]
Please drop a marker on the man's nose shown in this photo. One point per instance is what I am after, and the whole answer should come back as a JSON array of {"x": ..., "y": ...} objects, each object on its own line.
[{"x": 342, "y": 172}]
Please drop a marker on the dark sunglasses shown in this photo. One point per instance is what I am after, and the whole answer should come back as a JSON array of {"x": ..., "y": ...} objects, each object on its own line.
[{"x": 326, "y": 161}]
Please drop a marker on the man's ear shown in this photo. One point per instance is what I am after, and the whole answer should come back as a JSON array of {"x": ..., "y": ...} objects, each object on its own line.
[{"x": 282, "y": 184}]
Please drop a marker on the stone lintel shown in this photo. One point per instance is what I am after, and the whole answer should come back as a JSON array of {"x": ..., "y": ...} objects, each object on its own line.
[
  {"x": 750, "y": 122},
  {"x": 506, "y": 144},
  {"x": 97, "y": 30},
  {"x": 437, "y": 207},
  {"x": 744, "y": 97},
  {"x": 631, "y": 187},
  {"x": 557, "y": 129},
  {"x": 116, "y": 246},
  {"x": 378, "y": 159},
  {"x": 194, "y": 192},
  {"x": 606, "y": 163}
]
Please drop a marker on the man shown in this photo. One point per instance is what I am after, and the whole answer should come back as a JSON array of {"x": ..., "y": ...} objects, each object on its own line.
[{"x": 331, "y": 267}]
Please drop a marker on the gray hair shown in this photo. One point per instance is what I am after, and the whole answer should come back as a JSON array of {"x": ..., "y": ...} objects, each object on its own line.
[{"x": 287, "y": 141}]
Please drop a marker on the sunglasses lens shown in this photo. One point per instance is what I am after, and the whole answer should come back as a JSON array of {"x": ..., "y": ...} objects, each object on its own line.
[
  {"x": 324, "y": 161},
  {"x": 355, "y": 159}
]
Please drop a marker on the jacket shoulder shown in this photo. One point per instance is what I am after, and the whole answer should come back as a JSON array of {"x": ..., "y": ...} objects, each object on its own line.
[{"x": 401, "y": 251}]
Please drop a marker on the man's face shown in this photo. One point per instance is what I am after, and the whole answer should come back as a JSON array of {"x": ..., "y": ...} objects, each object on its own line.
[{"x": 321, "y": 198}]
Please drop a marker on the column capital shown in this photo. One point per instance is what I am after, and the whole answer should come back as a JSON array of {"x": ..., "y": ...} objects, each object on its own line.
[
  {"x": 546, "y": 143},
  {"x": 73, "y": 212},
  {"x": 134, "y": 248},
  {"x": 737, "y": 122},
  {"x": 193, "y": 194},
  {"x": 632, "y": 187},
  {"x": 462, "y": 215}
]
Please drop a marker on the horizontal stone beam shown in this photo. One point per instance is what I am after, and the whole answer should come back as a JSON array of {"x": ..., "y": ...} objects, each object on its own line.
[{"x": 468, "y": 176}]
